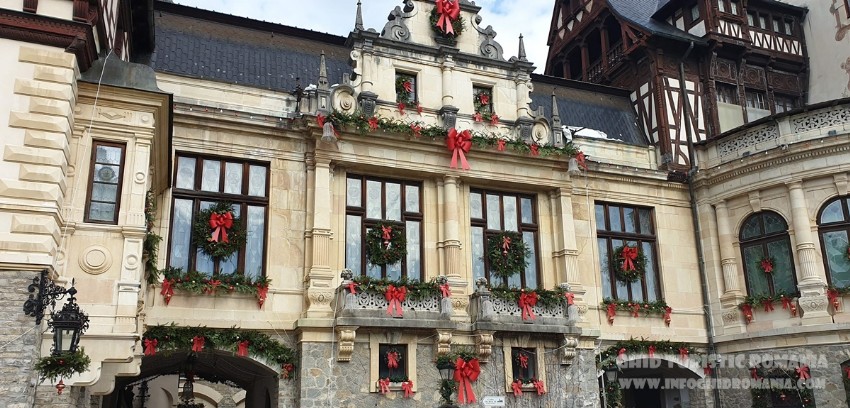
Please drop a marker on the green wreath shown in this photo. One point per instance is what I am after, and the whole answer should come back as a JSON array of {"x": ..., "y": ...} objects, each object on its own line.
[
  {"x": 380, "y": 251},
  {"x": 457, "y": 26},
  {"x": 220, "y": 242},
  {"x": 63, "y": 365},
  {"x": 639, "y": 263},
  {"x": 507, "y": 253}
]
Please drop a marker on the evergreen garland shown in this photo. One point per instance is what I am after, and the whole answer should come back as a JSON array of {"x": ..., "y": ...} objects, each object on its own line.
[
  {"x": 545, "y": 298},
  {"x": 646, "y": 308},
  {"x": 202, "y": 232},
  {"x": 505, "y": 263},
  {"x": 200, "y": 284},
  {"x": 63, "y": 365},
  {"x": 457, "y": 26},
  {"x": 761, "y": 396},
  {"x": 176, "y": 338},
  {"x": 150, "y": 246},
  {"x": 608, "y": 358},
  {"x": 416, "y": 290},
  {"x": 378, "y": 252},
  {"x": 628, "y": 276}
]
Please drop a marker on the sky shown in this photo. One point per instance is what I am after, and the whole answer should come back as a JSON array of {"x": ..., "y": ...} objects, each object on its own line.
[{"x": 509, "y": 18}]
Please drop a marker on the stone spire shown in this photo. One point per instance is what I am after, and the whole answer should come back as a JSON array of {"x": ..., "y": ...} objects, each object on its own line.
[
  {"x": 358, "y": 21},
  {"x": 521, "y": 54},
  {"x": 323, "y": 89},
  {"x": 557, "y": 129}
]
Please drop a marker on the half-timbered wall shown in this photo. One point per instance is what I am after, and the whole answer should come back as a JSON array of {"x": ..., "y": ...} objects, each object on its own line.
[{"x": 674, "y": 109}]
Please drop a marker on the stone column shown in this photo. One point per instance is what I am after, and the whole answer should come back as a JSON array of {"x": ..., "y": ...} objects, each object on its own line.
[
  {"x": 367, "y": 71},
  {"x": 729, "y": 265},
  {"x": 320, "y": 277},
  {"x": 451, "y": 228},
  {"x": 522, "y": 91},
  {"x": 566, "y": 247},
  {"x": 812, "y": 277},
  {"x": 448, "y": 75}
]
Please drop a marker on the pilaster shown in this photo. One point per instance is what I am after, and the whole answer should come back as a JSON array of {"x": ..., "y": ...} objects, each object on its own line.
[
  {"x": 320, "y": 277},
  {"x": 812, "y": 284}
]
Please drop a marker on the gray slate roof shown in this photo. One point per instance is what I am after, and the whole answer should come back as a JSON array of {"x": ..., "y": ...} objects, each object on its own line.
[
  {"x": 639, "y": 12},
  {"x": 242, "y": 51}
]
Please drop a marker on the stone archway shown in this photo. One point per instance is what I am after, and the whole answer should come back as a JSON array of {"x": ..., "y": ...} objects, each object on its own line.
[
  {"x": 660, "y": 381},
  {"x": 258, "y": 382}
]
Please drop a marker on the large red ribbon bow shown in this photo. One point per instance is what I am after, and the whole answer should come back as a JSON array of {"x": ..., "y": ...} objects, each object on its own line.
[
  {"x": 288, "y": 368},
  {"x": 747, "y": 310},
  {"x": 635, "y": 309},
  {"x": 408, "y": 86},
  {"x": 220, "y": 223},
  {"x": 407, "y": 387},
  {"x": 395, "y": 296},
  {"x": 167, "y": 290},
  {"x": 667, "y": 312},
  {"x": 540, "y": 387},
  {"x": 446, "y": 290},
  {"x": 352, "y": 287},
  {"x": 651, "y": 350},
  {"x": 767, "y": 265},
  {"x": 517, "y": 387},
  {"x": 629, "y": 255},
  {"x": 466, "y": 372},
  {"x": 527, "y": 300},
  {"x": 384, "y": 385},
  {"x": 392, "y": 359},
  {"x": 500, "y": 145},
  {"x": 523, "y": 361},
  {"x": 571, "y": 298},
  {"x": 459, "y": 144},
  {"x": 581, "y": 159},
  {"x": 449, "y": 11},
  {"x": 803, "y": 372},
  {"x": 612, "y": 311},
  {"x": 242, "y": 351},
  {"x": 198, "y": 343},
  {"x": 150, "y": 347}
]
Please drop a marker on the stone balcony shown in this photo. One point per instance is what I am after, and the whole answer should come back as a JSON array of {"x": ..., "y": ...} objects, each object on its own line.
[
  {"x": 370, "y": 309},
  {"x": 491, "y": 313}
]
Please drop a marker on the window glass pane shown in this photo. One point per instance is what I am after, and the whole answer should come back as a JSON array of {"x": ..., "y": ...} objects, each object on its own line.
[
  {"x": 373, "y": 200},
  {"x": 101, "y": 211},
  {"x": 477, "y": 252},
  {"x": 620, "y": 287},
  {"x": 353, "y": 196},
  {"x": 755, "y": 277},
  {"x": 600, "y": 217},
  {"x": 788, "y": 28},
  {"x": 527, "y": 211},
  {"x": 835, "y": 246},
  {"x": 181, "y": 233},
  {"x": 734, "y": 6},
  {"x": 105, "y": 173},
  {"x": 186, "y": 173},
  {"x": 721, "y": 5},
  {"x": 751, "y": 228},
  {"x": 411, "y": 199},
  {"x": 762, "y": 22},
  {"x": 783, "y": 273},
  {"x": 212, "y": 173},
  {"x": 203, "y": 263},
  {"x": 372, "y": 270},
  {"x": 494, "y": 213},
  {"x": 646, "y": 222},
  {"x": 511, "y": 215},
  {"x": 614, "y": 217},
  {"x": 832, "y": 213},
  {"x": 773, "y": 223},
  {"x": 531, "y": 260},
  {"x": 393, "y": 192},
  {"x": 776, "y": 27},
  {"x": 233, "y": 178},
  {"x": 108, "y": 154},
  {"x": 414, "y": 259},
  {"x": 475, "y": 207},
  {"x": 394, "y": 271},
  {"x": 257, "y": 181},
  {"x": 353, "y": 239},
  {"x": 652, "y": 287},
  {"x": 604, "y": 260},
  {"x": 255, "y": 241},
  {"x": 630, "y": 220},
  {"x": 104, "y": 192}
]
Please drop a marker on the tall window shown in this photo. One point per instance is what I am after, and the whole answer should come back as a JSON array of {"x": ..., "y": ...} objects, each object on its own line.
[
  {"x": 492, "y": 213},
  {"x": 764, "y": 236},
  {"x": 107, "y": 171},
  {"x": 618, "y": 225},
  {"x": 200, "y": 182},
  {"x": 393, "y": 362},
  {"x": 834, "y": 231},
  {"x": 371, "y": 202}
]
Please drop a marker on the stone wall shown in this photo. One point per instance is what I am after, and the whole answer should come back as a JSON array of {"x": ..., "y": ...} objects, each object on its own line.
[{"x": 19, "y": 341}]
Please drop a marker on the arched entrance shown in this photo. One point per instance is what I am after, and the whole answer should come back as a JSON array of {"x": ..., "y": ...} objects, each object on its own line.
[
  {"x": 247, "y": 382},
  {"x": 644, "y": 382}
]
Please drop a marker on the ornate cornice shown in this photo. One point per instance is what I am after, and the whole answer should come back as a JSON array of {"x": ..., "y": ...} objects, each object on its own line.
[{"x": 76, "y": 38}]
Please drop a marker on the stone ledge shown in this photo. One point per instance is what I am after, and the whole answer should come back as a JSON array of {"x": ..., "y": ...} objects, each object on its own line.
[
  {"x": 53, "y": 107},
  {"x": 389, "y": 322},
  {"x": 47, "y": 140},
  {"x": 28, "y": 190},
  {"x": 43, "y": 174},
  {"x": 34, "y": 155},
  {"x": 499, "y": 326},
  {"x": 50, "y": 90},
  {"x": 54, "y": 74},
  {"x": 45, "y": 57},
  {"x": 40, "y": 122}
]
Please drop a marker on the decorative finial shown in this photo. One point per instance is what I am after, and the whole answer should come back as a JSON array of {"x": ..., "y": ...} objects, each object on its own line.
[
  {"x": 358, "y": 22},
  {"x": 323, "y": 72},
  {"x": 555, "y": 111},
  {"x": 521, "y": 55}
]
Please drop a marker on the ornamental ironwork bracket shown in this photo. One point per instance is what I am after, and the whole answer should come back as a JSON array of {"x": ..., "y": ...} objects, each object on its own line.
[{"x": 43, "y": 292}]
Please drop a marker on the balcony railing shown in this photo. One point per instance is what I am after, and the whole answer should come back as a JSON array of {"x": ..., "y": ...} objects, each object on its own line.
[
  {"x": 489, "y": 312},
  {"x": 613, "y": 58}
]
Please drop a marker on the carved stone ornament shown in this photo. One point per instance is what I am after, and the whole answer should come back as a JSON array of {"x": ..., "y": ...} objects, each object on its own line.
[
  {"x": 568, "y": 347},
  {"x": 488, "y": 46},
  {"x": 811, "y": 304},
  {"x": 396, "y": 29},
  {"x": 343, "y": 99},
  {"x": 368, "y": 101},
  {"x": 484, "y": 344},
  {"x": 444, "y": 343},
  {"x": 731, "y": 317},
  {"x": 320, "y": 297},
  {"x": 345, "y": 343},
  {"x": 449, "y": 116}
]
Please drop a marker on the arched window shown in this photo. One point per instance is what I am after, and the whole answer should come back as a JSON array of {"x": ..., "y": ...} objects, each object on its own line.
[
  {"x": 834, "y": 231},
  {"x": 764, "y": 236}
]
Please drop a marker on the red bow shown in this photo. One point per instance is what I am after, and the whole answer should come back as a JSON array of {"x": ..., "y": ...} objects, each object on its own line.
[
  {"x": 401, "y": 107},
  {"x": 408, "y": 86},
  {"x": 373, "y": 123},
  {"x": 477, "y": 117},
  {"x": 484, "y": 99},
  {"x": 707, "y": 370},
  {"x": 392, "y": 359},
  {"x": 538, "y": 385},
  {"x": 748, "y": 313},
  {"x": 683, "y": 353},
  {"x": 417, "y": 130},
  {"x": 384, "y": 385},
  {"x": 517, "y": 387},
  {"x": 535, "y": 150},
  {"x": 571, "y": 298},
  {"x": 459, "y": 144},
  {"x": 667, "y": 312},
  {"x": 150, "y": 347},
  {"x": 621, "y": 355},
  {"x": 612, "y": 311},
  {"x": 523, "y": 360},
  {"x": 167, "y": 290},
  {"x": 320, "y": 119},
  {"x": 651, "y": 350},
  {"x": 500, "y": 145},
  {"x": 754, "y": 374},
  {"x": 803, "y": 372},
  {"x": 395, "y": 296},
  {"x": 506, "y": 245},
  {"x": 243, "y": 348},
  {"x": 418, "y": 108},
  {"x": 581, "y": 159},
  {"x": 629, "y": 255},
  {"x": 449, "y": 11},
  {"x": 198, "y": 343},
  {"x": 352, "y": 287},
  {"x": 768, "y": 305},
  {"x": 527, "y": 300},
  {"x": 407, "y": 387},
  {"x": 766, "y": 265},
  {"x": 635, "y": 309},
  {"x": 220, "y": 223},
  {"x": 386, "y": 235},
  {"x": 262, "y": 292},
  {"x": 287, "y": 370},
  {"x": 832, "y": 294},
  {"x": 466, "y": 372},
  {"x": 446, "y": 290},
  {"x": 213, "y": 285},
  {"x": 494, "y": 119}
]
